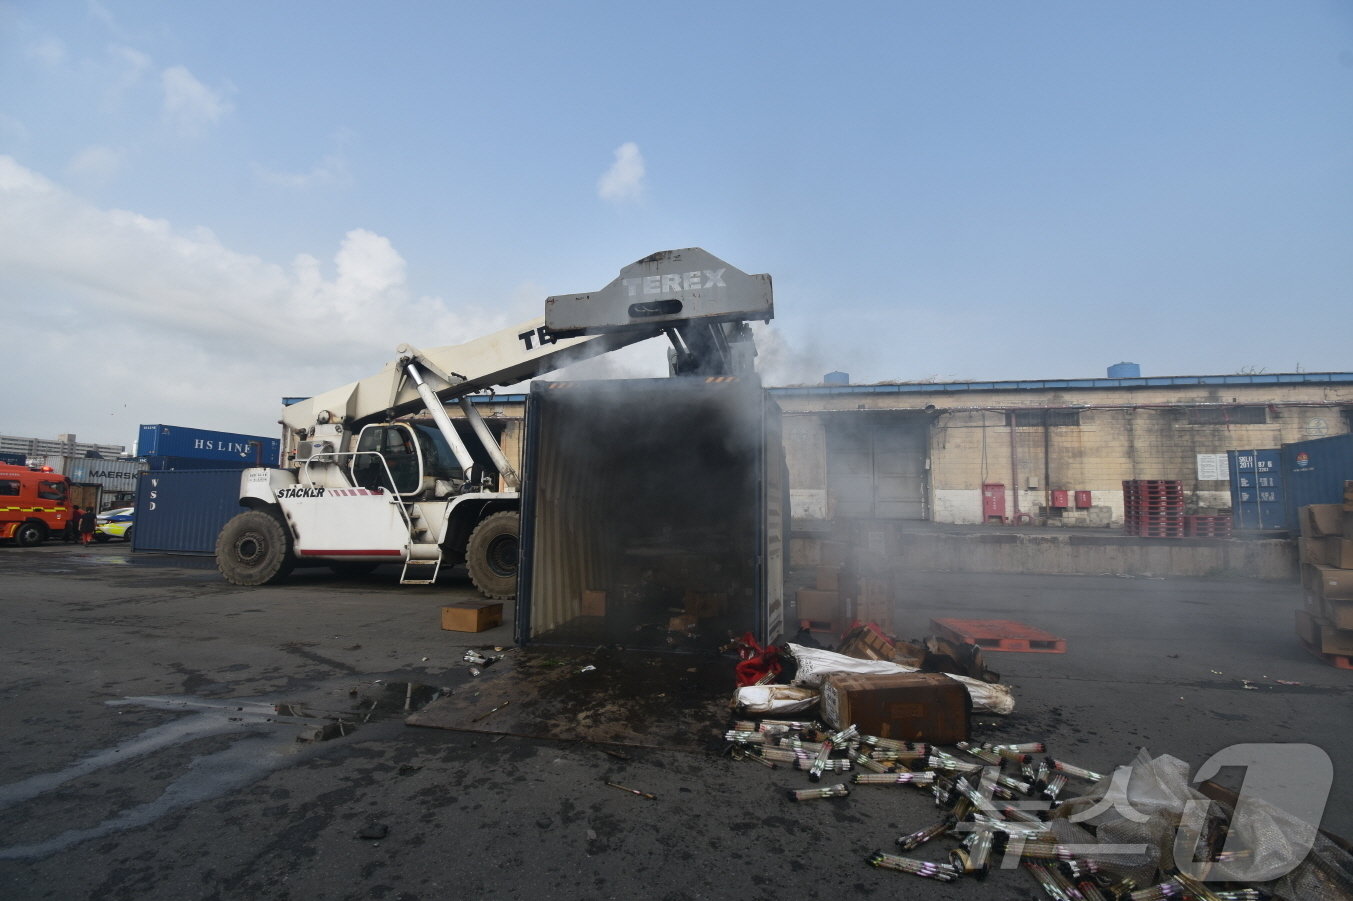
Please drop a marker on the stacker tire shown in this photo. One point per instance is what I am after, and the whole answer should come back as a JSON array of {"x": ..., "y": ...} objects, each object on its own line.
[
  {"x": 29, "y": 534},
  {"x": 491, "y": 555},
  {"x": 254, "y": 548}
]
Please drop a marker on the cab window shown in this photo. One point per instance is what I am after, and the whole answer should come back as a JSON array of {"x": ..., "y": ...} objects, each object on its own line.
[
  {"x": 52, "y": 491},
  {"x": 9, "y": 487},
  {"x": 396, "y": 445}
]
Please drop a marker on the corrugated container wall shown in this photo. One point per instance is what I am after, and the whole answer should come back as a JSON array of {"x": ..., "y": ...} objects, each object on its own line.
[
  {"x": 1257, "y": 498},
  {"x": 227, "y": 447},
  {"x": 654, "y": 514},
  {"x": 115, "y": 477},
  {"x": 1314, "y": 472},
  {"x": 183, "y": 512},
  {"x": 165, "y": 464}
]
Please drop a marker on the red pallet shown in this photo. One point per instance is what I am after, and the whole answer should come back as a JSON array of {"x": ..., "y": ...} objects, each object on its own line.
[
  {"x": 999, "y": 635},
  {"x": 1200, "y": 526}
]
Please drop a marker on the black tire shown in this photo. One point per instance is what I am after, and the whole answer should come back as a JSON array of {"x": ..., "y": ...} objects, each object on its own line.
[
  {"x": 127, "y": 535},
  {"x": 101, "y": 538},
  {"x": 29, "y": 534},
  {"x": 491, "y": 555},
  {"x": 254, "y": 548}
]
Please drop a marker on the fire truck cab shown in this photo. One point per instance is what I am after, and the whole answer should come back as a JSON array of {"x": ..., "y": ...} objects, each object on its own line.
[{"x": 34, "y": 504}]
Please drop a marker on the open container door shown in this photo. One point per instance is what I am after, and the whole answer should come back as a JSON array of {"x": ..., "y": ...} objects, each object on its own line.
[{"x": 652, "y": 514}]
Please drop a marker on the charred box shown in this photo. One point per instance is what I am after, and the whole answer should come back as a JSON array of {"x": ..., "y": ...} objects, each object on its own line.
[{"x": 927, "y": 707}]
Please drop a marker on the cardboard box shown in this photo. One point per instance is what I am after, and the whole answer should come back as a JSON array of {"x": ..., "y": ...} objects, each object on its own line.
[
  {"x": 866, "y": 643},
  {"x": 831, "y": 553},
  {"x": 682, "y": 622},
  {"x": 820, "y": 606},
  {"x": 1312, "y": 603},
  {"x": 828, "y": 578},
  {"x": 1311, "y": 550},
  {"x": 1336, "y": 552},
  {"x": 593, "y": 603},
  {"x": 1348, "y": 498},
  {"x": 1320, "y": 634},
  {"x": 472, "y": 616},
  {"x": 1334, "y": 584},
  {"x": 1322, "y": 520},
  {"x": 928, "y": 707},
  {"x": 1338, "y": 614}
]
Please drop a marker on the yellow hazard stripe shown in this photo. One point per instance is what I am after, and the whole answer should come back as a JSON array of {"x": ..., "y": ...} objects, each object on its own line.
[{"x": 32, "y": 509}]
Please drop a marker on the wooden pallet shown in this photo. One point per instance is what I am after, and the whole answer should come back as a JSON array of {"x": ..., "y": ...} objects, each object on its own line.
[{"x": 999, "y": 635}]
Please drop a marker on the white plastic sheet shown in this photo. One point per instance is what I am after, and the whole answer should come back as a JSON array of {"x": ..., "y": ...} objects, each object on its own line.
[{"x": 775, "y": 698}]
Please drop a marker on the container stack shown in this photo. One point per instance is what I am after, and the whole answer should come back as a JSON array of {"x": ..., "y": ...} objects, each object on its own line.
[
  {"x": 1153, "y": 508},
  {"x": 1325, "y": 621}
]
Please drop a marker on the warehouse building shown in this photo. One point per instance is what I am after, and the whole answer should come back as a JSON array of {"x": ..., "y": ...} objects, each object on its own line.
[{"x": 1045, "y": 452}]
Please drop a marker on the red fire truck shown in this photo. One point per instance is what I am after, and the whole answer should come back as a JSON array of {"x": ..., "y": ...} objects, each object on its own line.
[{"x": 34, "y": 504}]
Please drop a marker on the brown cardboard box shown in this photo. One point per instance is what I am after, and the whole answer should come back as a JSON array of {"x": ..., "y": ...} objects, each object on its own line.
[
  {"x": 831, "y": 553},
  {"x": 828, "y": 578},
  {"x": 866, "y": 643},
  {"x": 927, "y": 707},
  {"x": 1312, "y": 603},
  {"x": 1337, "y": 552},
  {"x": 1321, "y": 635},
  {"x": 1311, "y": 550},
  {"x": 1339, "y": 614},
  {"x": 1321, "y": 520},
  {"x": 1310, "y": 577},
  {"x": 682, "y": 622},
  {"x": 1348, "y": 498},
  {"x": 593, "y": 603},
  {"x": 874, "y": 603},
  {"x": 820, "y": 606},
  {"x": 1334, "y": 584},
  {"x": 472, "y": 616}
]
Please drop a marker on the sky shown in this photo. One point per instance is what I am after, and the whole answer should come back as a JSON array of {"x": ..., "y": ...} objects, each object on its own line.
[{"x": 206, "y": 207}]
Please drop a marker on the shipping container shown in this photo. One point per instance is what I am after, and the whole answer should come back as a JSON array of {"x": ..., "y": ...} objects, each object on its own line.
[
  {"x": 1258, "y": 502},
  {"x": 654, "y": 514},
  {"x": 166, "y": 464},
  {"x": 182, "y": 512},
  {"x": 114, "y": 476},
  {"x": 1314, "y": 472},
  {"x": 227, "y": 447}
]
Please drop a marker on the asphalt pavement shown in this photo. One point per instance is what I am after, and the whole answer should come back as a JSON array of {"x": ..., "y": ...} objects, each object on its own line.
[{"x": 160, "y": 740}]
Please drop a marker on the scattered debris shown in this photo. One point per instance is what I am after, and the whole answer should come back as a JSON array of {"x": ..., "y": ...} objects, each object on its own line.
[
  {"x": 486, "y": 715},
  {"x": 633, "y": 791},
  {"x": 374, "y": 832}
]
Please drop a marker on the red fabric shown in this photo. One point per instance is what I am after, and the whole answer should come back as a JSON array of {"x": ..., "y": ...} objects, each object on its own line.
[{"x": 755, "y": 662}]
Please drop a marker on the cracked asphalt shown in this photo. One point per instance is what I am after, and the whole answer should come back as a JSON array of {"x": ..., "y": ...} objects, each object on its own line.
[{"x": 143, "y": 757}]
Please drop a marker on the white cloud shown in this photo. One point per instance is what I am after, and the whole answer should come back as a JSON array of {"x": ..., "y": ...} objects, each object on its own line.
[
  {"x": 624, "y": 181},
  {"x": 191, "y": 107},
  {"x": 95, "y": 163},
  {"x": 173, "y": 326}
]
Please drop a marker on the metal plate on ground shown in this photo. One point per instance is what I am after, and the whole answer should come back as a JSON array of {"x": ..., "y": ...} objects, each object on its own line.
[{"x": 634, "y": 698}]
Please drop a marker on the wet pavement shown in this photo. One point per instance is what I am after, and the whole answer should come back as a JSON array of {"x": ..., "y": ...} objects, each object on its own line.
[{"x": 159, "y": 727}]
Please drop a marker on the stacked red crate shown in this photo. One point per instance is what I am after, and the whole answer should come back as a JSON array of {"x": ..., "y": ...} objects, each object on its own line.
[
  {"x": 1153, "y": 508},
  {"x": 1200, "y": 526}
]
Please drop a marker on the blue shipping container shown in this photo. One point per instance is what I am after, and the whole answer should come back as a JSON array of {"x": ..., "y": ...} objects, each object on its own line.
[
  {"x": 1257, "y": 499},
  {"x": 177, "y": 441},
  {"x": 1314, "y": 472},
  {"x": 164, "y": 464},
  {"x": 182, "y": 512}
]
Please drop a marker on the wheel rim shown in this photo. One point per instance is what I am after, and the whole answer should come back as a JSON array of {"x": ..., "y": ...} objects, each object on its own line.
[
  {"x": 251, "y": 549},
  {"x": 501, "y": 555}
]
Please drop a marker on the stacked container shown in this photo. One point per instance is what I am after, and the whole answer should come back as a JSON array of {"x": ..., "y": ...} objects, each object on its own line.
[{"x": 1153, "y": 508}]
